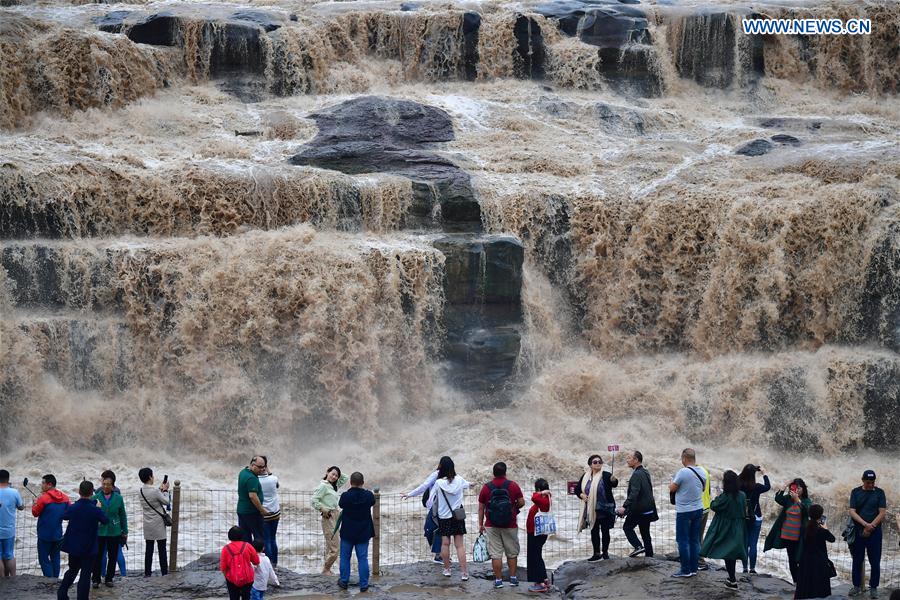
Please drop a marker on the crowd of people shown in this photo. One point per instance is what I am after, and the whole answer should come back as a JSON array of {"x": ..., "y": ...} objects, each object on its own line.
[{"x": 98, "y": 525}]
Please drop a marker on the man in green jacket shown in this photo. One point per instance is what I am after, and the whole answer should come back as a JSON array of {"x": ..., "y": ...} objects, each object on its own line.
[
  {"x": 639, "y": 507},
  {"x": 112, "y": 533},
  {"x": 250, "y": 511}
]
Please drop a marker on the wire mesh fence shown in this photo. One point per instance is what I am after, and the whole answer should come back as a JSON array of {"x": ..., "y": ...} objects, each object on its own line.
[{"x": 205, "y": 516}]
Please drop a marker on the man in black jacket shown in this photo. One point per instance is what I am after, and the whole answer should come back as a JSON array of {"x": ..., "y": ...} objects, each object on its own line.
[
  {"x": 640, "y": 506},
  {"x": 356, "y": 530},
  {"x": 80, "y": 541}
]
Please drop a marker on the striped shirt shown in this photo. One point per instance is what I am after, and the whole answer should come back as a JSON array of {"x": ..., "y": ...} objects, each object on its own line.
[{"x": 790, "y": 529}]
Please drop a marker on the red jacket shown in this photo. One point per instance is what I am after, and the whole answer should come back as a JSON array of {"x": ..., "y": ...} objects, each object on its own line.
[
  {"x": 238, "y": 551},
  {"x": 541, "y": 503},
  {"x": 51, "y": 496}
]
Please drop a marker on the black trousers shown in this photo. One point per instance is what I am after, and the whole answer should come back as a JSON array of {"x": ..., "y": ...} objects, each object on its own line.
[
  {"x": 252, "y": 524},
  {"x": 78, "y": 565},
  {"x": 793, "y": 558},
  {"x": 148, "y": 557},
  {"x": 642, "y": 522},
  {"x": 537, "y": 570},
  {"x": 730, "y": 564},
  {"x": 238, "y": 593},
  {"x": 109, "y": 545},
  {"x": 600, "y": 525}
]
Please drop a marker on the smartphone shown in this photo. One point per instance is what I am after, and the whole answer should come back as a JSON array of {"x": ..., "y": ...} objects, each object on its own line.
[
  {"x": 795, "y": 488},
  {"x": 165, "y": 479}
]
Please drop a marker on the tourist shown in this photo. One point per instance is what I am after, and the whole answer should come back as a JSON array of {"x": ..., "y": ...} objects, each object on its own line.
[
  {"x": 448, "y": 501},
  {"x": 727, "y": 536},
  {"x": 10, "y": 502},
  {"x": 111, "y": 533},
  {"x": 154, "y": 501},
  {"x": 687, "y": 489},
  {"x": 250, "y": 509},
  {"x": 357, "y": 529},
  {"x": 49, "y": 509},
  {"x": 787, "y": 530},
  {"x": 269, "y": 484},
  {"x": 598, "y": 511},
  {"x": 815, "y": 570},
  {"x": 639, "y": 507},
  {"x": 498, "y": 506},
  {"x": 120, "y": 558},
  {"x": 536, "y": 568},
  {"x": 867, "y": 509},
  {"x": 264, "y": 574},
  {"x": 426, "y": 490},
  {"x": 80, "y": 541},
  {"x": 705, "y": 501},
  {"x": 325, "y": 500},
  {"x": 753, "y": 491},
  {"x": 236, "y": 563}
]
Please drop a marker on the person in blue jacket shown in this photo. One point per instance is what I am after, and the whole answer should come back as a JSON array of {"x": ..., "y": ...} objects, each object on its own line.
[
  {"x": 80, "y": 541},
  {"x": 357, "y": 529},
  {"x": 49, "y": 509}
]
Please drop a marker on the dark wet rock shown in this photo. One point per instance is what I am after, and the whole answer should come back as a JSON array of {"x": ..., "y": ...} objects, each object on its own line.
[
  {"x": 409, "y": 6},
  {"x": 617, "y": 119},
  {"x": 783, "y": 138},
  {"x": 383, "y": 135},
  {"x": 294, "y": 17},
  {"x": 704, "y": 49},
  {"x": 483, "y": 311},
  {"x": 112, "y": 22},
  {"x": 529, "y": 48},
  {"x": 267, "y": 21},
  {"x": 160, "y": 29},
  {"x": 471, "y": 28},
  {"x": 638, "y": 578},
  {"x": 880, "y": 303},
  {"x": 755, "y": 148},
  {"x": 791, "y": 123}
]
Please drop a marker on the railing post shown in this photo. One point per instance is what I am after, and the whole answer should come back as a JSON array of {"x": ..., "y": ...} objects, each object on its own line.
[
  {"x": 176, "y": 510},
  {"x": 376, "y": 541}
]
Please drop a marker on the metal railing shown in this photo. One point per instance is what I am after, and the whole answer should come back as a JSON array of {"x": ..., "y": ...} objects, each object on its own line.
[{"x": 202, "y": 519}]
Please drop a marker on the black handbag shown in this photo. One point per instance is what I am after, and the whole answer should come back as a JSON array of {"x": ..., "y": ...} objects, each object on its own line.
[
  {"x": 164, "y": 515},
  {"x": 829, "y": 568},
  {"x": 459, "y": 513}
]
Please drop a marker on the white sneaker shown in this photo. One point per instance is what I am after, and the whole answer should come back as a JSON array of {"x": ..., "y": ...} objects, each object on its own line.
[
  {"x": 464, "y": 577},
  {"x": 446, "y": 573}
]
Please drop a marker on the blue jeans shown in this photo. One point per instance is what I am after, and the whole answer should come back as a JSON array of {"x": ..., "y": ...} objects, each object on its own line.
[
  {"x": 431, "y": 534},
  {"x": 871, "y": 546},
  {"x": 753, "y": 528},
  {"x": 687, "y": 534},
  {"x": 362, "y": 561},
  {"x": 48, "y": 557},
  {"x": 270, "y": 528},
  {"x": 256, "y": 594}
]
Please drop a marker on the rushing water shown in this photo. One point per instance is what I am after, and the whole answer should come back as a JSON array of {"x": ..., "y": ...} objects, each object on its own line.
[{"x": 176, "y": 292}]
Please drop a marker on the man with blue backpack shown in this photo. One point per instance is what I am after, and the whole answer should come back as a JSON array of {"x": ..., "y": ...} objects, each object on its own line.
[{"x": 498, "y": 505}]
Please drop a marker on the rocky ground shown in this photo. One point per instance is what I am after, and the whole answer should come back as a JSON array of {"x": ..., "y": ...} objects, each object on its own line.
[{"x": 619, "y": 578}]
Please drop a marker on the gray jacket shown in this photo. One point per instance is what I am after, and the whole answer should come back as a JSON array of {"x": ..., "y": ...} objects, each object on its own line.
[{"x": 154, "y": 527}]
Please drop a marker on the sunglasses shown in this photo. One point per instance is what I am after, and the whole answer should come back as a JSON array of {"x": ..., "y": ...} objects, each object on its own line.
[{"x": 596, "y": 462}]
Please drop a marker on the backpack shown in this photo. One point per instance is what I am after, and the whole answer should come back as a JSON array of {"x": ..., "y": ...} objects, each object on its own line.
[
  {"x": 499, "y": 508},
  {"x": 240, "y": 572}
]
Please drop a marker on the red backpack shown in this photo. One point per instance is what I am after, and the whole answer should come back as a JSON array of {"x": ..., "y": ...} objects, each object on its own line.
[{"x": 240, "y": 571}]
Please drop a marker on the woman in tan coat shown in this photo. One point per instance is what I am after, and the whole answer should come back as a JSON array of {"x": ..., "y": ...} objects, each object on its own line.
[{"x": 154, "y": 501}]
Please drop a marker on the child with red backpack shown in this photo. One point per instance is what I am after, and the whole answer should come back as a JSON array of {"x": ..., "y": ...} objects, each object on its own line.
[{"x": 236, "y": 563}]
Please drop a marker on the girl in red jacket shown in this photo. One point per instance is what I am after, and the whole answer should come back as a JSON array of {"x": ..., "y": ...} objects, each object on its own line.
[
  {"x": 537, "y": 570},
  {"x": 236, "y": 563}
]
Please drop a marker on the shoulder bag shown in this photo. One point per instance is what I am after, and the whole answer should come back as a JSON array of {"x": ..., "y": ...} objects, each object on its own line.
[{"x": 163, "y": 515}]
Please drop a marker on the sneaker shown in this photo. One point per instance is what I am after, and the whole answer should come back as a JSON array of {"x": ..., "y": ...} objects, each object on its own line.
[
  {"x": 96, "y": 585},
  {"x": 855, "y": 591},
  {"x": 108, "y": 583},
  {"x": 437, "y": 559},
  {"x": 636, "y": 552},
  {"x": 538, "y": 587},
  {"x": 873, "y": 592},
  {"x": 753, "y": 571},
  {"x": 731, "y": 585},
  {"x": 363, "y": 589},
  {"x": 342, "y": 585},
  {"x": 446, "y": 573},
  {"x": 514, "y": 581},
  {"x": 604, "y": 557},
  {"x": 745, "y": 571},
  {"x": 595, "y": 558},
  {"x": 703, "y": 567},
  {"x": 680, "y": 575},
  {"x": 498, "y": 583},
  {"x": 464, "y": 577}
]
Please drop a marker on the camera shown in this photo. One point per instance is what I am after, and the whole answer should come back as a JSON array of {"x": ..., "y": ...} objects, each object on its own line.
[{"x": 758, "y": 468}]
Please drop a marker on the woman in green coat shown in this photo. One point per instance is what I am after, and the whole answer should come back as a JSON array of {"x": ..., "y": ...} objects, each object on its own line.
[
  {"x": 726, "y": 536},
  {"x": 786, "y": 532},
  {"x": 110, "y": 534}
]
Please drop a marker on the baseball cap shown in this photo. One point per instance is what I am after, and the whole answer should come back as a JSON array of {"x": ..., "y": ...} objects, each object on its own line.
[{"x": 868, "y": 475}]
